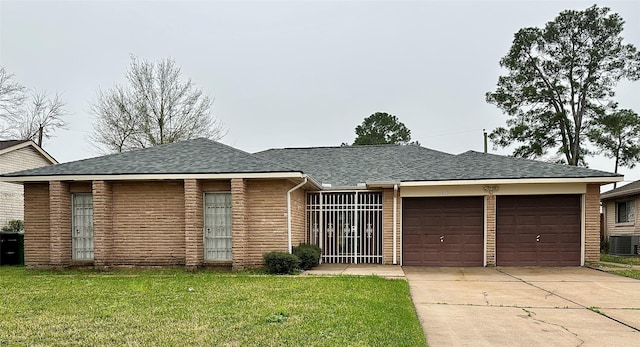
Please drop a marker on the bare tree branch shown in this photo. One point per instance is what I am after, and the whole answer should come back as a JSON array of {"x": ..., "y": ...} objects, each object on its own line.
[{"x": 153, "y": 108}]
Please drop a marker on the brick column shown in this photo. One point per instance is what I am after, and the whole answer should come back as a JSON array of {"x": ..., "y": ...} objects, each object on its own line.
[
  {"x": 592, "y": 223},
  {"x": 60, "y": 223},
  {"x": 193, "y": 223},
  {"x": 102, "y": 222},
  {"x": 490, "y": 223},
  {"x": 239, "y": 233}
]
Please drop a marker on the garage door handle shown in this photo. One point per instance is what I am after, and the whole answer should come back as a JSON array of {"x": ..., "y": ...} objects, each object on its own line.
[
  {"x": 538, "y": 238},
  {"x": 442, "y": 238}
]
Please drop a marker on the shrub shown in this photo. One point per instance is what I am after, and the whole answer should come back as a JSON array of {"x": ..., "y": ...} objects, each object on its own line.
[
  {"x": 14, "y": 226},
  {"x": 281, "y": 263},
  {"x": 308, "y": 254}
]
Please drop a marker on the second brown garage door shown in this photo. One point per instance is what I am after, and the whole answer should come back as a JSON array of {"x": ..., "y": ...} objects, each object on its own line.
[
  {"x": 538, "y": 230},
  {"x": 446, "y": 231}
]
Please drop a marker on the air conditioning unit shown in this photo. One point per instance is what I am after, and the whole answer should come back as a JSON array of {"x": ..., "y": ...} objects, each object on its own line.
[{"x": 624, "y": 244}]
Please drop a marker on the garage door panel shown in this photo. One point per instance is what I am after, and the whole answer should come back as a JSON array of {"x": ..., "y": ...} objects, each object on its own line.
[
  {"x": 542, "y": 230},
  {"x": 452, "y": 230}
]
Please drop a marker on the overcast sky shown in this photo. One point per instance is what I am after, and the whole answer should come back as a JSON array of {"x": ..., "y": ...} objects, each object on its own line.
[{"x": 291, "y": 74}]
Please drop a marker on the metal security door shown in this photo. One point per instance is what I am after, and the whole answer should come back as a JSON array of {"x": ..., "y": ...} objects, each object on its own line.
[
  {"x": 347, "y": 226},
  {"x": 82, "y": 226},
  {"x": 217, "y": 226}
]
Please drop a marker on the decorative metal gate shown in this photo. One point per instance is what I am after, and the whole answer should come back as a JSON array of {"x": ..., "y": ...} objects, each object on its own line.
[{"x": 346, "y": 225}]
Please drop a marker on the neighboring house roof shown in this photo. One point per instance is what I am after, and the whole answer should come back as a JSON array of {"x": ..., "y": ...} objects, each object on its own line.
[
  {"x": 630, "y": 189},
  {"x": 198, "y": 156},
  {"x": 10, "y": 143},
  {"x": 473, "y": 165},
  {"x": 347, "y": 166},
  {"x": 7, "y": 146}
]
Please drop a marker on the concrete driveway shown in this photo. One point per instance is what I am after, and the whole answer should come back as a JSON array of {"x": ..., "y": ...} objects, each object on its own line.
[{"x": 525, "y": 306}]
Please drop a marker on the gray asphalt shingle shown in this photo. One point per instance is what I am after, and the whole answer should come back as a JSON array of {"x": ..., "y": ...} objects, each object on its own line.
[
  {"x": 349, "y": 165},
  {"x": 345, "y": 166},
  {"x": 473, "y": 165},
  {"x": 187, "y": 157}
]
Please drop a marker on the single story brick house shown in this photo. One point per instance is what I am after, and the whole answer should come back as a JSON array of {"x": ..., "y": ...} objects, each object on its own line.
[
  {"x": 621, "y": 208},
  {"x": 203, "y": 203}
]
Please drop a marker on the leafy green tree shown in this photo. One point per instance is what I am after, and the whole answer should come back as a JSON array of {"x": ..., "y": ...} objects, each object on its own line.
[
  {"x": 560, "y": 78},
  {"x": 382, "y": 128},
  {"x": 617, "y": 136}
]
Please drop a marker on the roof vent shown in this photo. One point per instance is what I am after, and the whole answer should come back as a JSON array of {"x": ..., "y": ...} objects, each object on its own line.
[
  {"x": 623, "y": 244},
  {"x": 326, "y": 185}
]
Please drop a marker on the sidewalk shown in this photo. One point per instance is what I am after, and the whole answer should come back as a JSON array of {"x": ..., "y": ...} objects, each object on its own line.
[{"x": 388, "y": 271}]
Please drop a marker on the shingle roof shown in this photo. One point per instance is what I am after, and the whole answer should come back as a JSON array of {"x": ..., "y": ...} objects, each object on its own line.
[
  {"x": 10, "y": 143},
  {"x": 632, "y": 188},
  {"x": 193, "y": 157},
  {"x": 349, "y": 165},
  {"x": 473, "y": 165}
]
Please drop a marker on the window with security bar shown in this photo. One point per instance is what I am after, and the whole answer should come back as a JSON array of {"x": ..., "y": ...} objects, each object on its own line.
[
  {"x": 82, "y": 226},
  {"x": 217, "y": 226},
  {"x": 347, "y": 226}
]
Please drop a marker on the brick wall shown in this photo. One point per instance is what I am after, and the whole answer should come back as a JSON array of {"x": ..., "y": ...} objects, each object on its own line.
[
  {"x": 592, "y": 223},
  {"x": 266, "y": 208},
  {"x": 36, "y": 224},
  {"x": 194, "y": 221},
  {"x": 298, "y": 211},
  {"x": 490, "y": 224},
  {"x": 60, "y": 223},
  {"x": 239, "y": 223},
  {"x": 12, "y": 194},
  {"x": 102, "y": 222},
  {"x": 148, "y": 223}
]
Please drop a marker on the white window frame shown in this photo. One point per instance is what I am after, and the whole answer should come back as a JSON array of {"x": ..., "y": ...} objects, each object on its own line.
[
  {"x": 217, "y": 244},
  {"x": 82, "y": 242}
]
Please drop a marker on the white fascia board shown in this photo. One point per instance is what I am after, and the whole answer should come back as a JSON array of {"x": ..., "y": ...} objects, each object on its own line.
[
  {"x": 147, "y": 177},
  {"x": 36, "y": 147},
  {"x": 382, "y": 184},
  {"x": 602, "y": 180}
]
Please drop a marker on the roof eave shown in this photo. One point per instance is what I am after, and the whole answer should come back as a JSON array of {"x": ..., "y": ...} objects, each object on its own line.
[
  {"x": 600, "y": 180},
  {"x": 625, "y": 193},
  {"x": 38, "y": 149},
  {"x": 142, "y": 177}
]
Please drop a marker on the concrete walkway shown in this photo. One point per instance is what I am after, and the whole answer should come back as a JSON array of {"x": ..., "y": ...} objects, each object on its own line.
[
  {"x": 525, "y": 306},
  {"x": 387, "y": 271}
]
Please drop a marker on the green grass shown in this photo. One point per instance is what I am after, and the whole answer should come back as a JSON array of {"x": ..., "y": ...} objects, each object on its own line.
[
  {"x": 628, "y": 260},
  {"x": 628, "y": 273},
  {"x": 176, "y": 308}
]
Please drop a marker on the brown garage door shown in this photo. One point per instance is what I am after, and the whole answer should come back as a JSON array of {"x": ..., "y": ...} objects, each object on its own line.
[
  {"x": 542, "y": 230},
  {"x": 444, "y": 231}
]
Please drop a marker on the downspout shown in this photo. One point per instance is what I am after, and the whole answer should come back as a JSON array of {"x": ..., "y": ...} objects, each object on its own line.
[
  {"x": 395, "y": 224},
  {"x": 289, "y": 210}
]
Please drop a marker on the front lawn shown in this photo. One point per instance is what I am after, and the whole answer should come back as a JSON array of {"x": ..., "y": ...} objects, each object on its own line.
[
  {"x": 624, "y": 261},
  {"x": 628, "y": 260},
  {"x": 176, "y": 308}
]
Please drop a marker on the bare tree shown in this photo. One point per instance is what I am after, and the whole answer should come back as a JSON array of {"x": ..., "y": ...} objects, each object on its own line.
[
  {"x": 12, "y": 96},
  {"x": 40, "y": 117},
  {"x": 153, "y": 108}
]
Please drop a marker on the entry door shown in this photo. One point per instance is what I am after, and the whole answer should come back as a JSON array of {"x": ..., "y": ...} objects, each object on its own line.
[
  {"x": 217, "y": 226},
  {"x": 82, "y": 226}
]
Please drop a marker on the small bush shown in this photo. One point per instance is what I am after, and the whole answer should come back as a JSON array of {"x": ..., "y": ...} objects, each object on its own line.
[
  {"x": 308, "y": 254},
  {"x": 281, "y": 263},
  {"x": 14, "y": 226}
]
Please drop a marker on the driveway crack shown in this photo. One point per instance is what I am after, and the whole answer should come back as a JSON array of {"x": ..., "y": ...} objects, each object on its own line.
[
  {"x": 532, "y": 315},
  {"x": 569, "y": 300}
]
